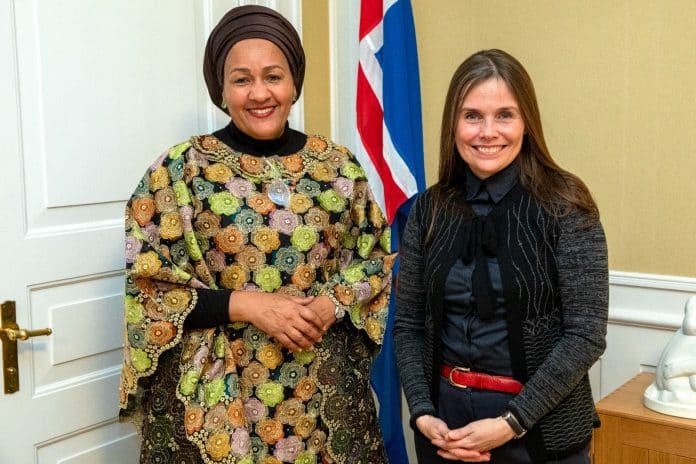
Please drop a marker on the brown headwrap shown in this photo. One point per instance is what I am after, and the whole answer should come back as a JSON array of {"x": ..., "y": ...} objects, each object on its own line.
[{"x": 250, "y": 22}]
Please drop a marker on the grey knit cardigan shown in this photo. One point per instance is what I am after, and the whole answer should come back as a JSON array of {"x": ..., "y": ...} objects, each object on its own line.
[{"x": 555, "y": 283}]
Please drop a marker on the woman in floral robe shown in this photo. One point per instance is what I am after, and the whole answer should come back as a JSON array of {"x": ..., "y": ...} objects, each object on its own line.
[{"x": 258, "y": 276}]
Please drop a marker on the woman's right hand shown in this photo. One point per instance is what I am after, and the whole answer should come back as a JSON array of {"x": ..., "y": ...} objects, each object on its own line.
[
  {"x": 436, "y": 430},
  {"x": 283, "y": 317}
]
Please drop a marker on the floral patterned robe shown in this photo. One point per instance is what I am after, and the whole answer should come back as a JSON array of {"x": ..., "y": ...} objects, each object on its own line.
[{"x": 205, "y": 216}]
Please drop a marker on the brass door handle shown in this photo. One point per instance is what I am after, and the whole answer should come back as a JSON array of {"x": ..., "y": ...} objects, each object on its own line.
[
  {"x": 24, "y": 334},
  {"x": 9, "y": 334}
]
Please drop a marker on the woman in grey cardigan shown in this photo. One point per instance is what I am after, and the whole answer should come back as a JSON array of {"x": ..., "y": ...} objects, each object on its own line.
[{"x": 503, "y": 288}]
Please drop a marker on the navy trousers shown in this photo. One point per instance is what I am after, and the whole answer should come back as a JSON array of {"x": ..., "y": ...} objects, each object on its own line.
[{"x": 459, "y": 406}]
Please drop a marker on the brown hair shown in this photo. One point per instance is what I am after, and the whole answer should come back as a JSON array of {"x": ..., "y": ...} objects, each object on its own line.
[{"x": 558, "y": 191}]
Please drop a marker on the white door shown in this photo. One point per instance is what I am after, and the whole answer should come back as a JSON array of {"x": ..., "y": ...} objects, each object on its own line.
[{"x": 90, "y": 93}]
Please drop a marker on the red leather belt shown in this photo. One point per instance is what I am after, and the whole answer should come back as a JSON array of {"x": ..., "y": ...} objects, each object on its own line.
[{"x": 462, "y": 377}]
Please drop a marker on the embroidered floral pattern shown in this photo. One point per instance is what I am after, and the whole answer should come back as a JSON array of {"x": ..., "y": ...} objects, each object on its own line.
[{"x": 301, "y": 224}]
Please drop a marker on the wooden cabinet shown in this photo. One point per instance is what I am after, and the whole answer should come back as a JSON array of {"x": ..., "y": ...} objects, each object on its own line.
[{"x": 633, "y": 434}]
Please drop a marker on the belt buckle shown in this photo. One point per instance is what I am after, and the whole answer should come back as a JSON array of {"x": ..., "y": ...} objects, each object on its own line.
[{"x": 452, "y": 371}]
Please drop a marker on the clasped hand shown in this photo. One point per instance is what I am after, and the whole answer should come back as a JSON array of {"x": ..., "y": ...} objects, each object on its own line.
[
  {"x": 296, "y": 322},
  {"x": 471, "y": 443}
]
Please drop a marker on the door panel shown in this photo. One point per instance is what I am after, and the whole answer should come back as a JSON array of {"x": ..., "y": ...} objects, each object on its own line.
[
  {"x": 99, "y": 445},
  {"x": 102, "y": 86},
  {"x": 76, "y": 351}
]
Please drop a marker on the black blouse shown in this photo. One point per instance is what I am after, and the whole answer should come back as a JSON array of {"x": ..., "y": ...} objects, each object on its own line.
[{"x": 467, "y": 339}]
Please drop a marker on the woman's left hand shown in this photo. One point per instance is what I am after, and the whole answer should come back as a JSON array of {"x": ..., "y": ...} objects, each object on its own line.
[{"x": 481, "y": 435}]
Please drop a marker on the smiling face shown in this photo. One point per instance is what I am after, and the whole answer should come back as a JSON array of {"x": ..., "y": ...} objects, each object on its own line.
[
  {"x": 258, "y": 88},
  {"x": 490, "y": 128}
]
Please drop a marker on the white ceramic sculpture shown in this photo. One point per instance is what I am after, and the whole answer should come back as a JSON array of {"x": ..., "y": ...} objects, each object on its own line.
[{"x": 674, "y": 390}]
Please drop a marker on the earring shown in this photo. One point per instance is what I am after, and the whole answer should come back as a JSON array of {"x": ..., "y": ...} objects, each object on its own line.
[{"x": 223, "y": 105}]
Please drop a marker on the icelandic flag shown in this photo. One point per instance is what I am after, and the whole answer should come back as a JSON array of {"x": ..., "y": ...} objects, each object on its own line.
[{"x": 390, "y": 150}]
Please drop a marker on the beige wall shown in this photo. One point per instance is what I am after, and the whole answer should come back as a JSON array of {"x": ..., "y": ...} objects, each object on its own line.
[
  {"x": 315, "y": 37},
  {"x": 616, "y": 83}
]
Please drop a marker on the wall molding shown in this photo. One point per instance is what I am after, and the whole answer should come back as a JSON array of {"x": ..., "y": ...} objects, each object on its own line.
[
  {"x": 344, "y": 20},
  {"x": 292, "y": 10},
  {"x": 651, "y": 320},
  {"x": 333, "y": 68},
  {"x": 648, "y": 300},
  {"x": 660, "y": 281}
]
